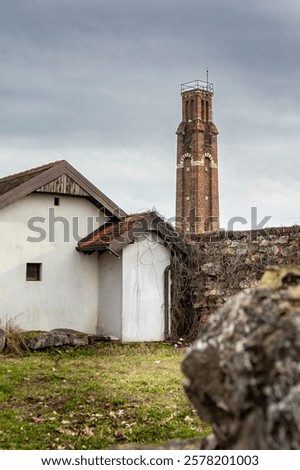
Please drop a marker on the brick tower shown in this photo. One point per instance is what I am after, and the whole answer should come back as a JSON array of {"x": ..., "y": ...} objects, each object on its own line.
[{"x": 197, "y": 194}]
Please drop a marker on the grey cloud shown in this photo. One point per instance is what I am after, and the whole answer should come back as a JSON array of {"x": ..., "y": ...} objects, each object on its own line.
[{"x": 98, "y": 82}]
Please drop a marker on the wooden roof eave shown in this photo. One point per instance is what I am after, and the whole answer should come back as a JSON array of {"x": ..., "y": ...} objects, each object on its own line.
[{"x": 89, "y": 250}]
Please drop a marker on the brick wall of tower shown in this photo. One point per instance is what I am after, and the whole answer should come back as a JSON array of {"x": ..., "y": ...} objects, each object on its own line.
[{"x": 197, "y": 198}]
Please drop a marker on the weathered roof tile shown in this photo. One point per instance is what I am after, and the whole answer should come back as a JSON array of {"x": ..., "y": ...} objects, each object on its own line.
[{"x": 109, "y": 232}]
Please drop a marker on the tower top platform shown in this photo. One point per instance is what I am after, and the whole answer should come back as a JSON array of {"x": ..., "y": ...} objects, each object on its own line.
[{"x": 195, "y": 85}]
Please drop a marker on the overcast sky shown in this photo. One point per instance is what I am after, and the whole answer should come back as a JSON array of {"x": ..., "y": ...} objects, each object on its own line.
[{"x": 97, "y": 82}]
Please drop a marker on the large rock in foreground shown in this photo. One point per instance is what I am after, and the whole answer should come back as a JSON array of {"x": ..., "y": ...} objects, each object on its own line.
[{"x": 243, "y": 373}]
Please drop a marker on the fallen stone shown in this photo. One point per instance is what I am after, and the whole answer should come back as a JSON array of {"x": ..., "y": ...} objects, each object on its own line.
[
  {"x": 56, "y": 338},
  {"x": 242, "y": 373}
]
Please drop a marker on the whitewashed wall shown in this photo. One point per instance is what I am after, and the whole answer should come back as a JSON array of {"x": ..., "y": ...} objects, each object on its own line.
[
  {"x": 110, "y": 296},
  {"x": 67, "y": 295},
  {"x": 121, "y": 297},
  {"x": 144, "y": 264}
]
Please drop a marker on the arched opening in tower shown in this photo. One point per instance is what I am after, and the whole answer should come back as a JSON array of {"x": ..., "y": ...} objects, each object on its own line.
[
  {"x": 187, "y": 192},
  {"x": 207, "y": 186}
]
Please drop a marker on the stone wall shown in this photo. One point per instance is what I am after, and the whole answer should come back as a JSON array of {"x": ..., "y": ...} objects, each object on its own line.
[{"x": 223, "y": 263}]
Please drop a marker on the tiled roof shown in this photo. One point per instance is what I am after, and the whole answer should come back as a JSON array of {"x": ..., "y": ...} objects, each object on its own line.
[
  {"x": 114, "y": 236},
  {"x": 12, "y": 181},
  {"x": 109, "y": 232}
]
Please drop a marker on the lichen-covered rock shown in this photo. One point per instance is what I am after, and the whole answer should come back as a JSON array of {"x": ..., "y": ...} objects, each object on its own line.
[
  {"x": 56, "y": 338},
  {"x": 243, "y": 372},
  {"x": 278, "y": 278}
]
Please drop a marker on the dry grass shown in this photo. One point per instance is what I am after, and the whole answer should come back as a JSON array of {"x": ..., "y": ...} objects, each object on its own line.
[{"x": 14, "y": 339}]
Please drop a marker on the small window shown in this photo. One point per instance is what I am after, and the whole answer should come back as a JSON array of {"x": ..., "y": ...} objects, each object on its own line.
[
  {"x": 56, "y": 201},
  {"x": 33, "y": 271}
]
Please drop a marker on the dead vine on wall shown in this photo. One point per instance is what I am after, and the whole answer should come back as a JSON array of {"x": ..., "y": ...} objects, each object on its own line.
[{"x": 214, "y": 270}]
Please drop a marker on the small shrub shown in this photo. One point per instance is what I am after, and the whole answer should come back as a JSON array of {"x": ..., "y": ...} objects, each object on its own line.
[{"x": 14, "y": 340}]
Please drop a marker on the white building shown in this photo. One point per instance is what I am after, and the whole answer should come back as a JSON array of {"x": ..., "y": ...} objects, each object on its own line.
[{"x": 71, "y": 258}]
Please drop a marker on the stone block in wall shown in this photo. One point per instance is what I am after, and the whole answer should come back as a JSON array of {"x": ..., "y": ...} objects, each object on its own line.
[
  {"x": 283, "y": 239},
  {"x": 211, "y": 269}
]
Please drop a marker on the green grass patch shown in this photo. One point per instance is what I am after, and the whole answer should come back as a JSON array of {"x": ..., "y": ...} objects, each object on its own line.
[{"x": 94, "y": 398}]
